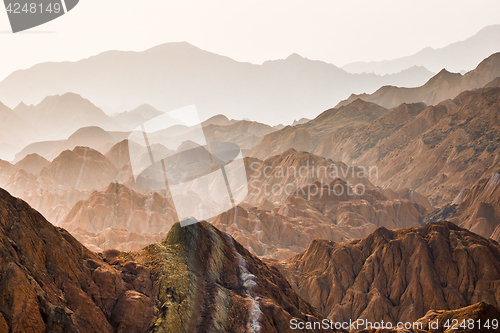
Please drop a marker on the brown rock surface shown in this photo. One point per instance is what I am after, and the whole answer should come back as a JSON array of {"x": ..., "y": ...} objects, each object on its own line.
[
  {"x": 279, "y": 176},
  {"x": 438, "y": 152},
  {"x": 45, "y": 195},
  {"x": 397, "y": 275},
  {"x": 454, "y": 152}
]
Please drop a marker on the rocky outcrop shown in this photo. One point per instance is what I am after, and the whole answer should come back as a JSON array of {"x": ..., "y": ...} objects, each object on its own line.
[
  {"x": 479, "y": 317},
  {"x": 397, "y": 275},
  {"x": 435, "y": 150},
  {"x": 51, "y": 199},
  {"x": 277, "y": 177}
]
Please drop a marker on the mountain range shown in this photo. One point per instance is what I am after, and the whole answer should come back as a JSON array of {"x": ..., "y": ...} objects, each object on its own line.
[
  {"x": 174, "y": 75},
  {"x": 458, "y": 57},
  {"x": 442, "y": 86},
  {"x": 385, "y": 207},
  {"x": 458, "y": 138}
]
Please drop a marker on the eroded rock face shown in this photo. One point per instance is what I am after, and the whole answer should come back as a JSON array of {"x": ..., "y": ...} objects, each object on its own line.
[
  {"x": 198, "y": 279},
  {"x": 397, "y": 275},
  {"x": 212, "y": 283},
  {"x": 120, "y": 218},
  {"x": 479, "y": 209},
  {"x": 480, "y": 317},
  {"x": 50, "y": 282},
  {"x": 81, "y": 168},
  {"x": 435, "y": 150}
]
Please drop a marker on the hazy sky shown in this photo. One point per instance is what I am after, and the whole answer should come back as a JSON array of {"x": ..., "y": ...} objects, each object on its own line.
[{"x": 338, "y": 32}]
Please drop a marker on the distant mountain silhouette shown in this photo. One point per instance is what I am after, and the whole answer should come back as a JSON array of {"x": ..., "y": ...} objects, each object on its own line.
[
  {"x": 42, "y": 148},
  {"x": 57, "y": 117},
  {"x": 93, "y": 137},
  {"x": 456, "y": 57},
  {"x": 129, "y": 120},
  {"x": 32, "y": 163},
  {"x": 174, "y": 75}
]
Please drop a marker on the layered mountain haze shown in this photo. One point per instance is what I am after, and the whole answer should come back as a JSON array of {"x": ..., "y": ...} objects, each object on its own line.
[
  {"x": 81, "y": 168},
  {"x": 14, "y": 132},
  {"x": 52, "y": 119},
  {"x": 196, "y": 279},
  {"x": 442, "y": 86},
  {"x": 6, "y": 171},
  {"x": 174, "y": 75},
  {"x": 457, "y": 57},
  {"x": 383, "y": 208},
  {"x": 397, "y": 275},
  {"x": 42, "y": 148},
  {"x": 458, "y": 138},
  {"x": 58, "y": 186},
  {"x": 92, "y": 137}
]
